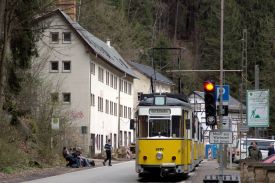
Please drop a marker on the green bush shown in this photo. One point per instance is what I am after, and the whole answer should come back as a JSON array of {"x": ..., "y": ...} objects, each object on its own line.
[{"x": 10, "y": 156}]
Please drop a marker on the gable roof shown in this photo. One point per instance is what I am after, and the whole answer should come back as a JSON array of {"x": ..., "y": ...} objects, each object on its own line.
[
  {"x": 149, "y": 72},
  {"x": 97, "y": 46}
]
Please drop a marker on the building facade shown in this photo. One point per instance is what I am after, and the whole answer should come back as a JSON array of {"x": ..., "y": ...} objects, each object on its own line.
[
  {"x": 90, "y": 79},
  {"x": 145, "y": 74}
]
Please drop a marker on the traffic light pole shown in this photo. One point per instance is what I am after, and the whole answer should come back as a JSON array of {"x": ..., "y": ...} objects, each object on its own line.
[{"x": 221, "y": 91}]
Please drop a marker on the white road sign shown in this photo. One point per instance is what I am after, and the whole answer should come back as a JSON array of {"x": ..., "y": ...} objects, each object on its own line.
[
  {"x": 220, "y": 137},
  {"x": 257, "y": 108}
]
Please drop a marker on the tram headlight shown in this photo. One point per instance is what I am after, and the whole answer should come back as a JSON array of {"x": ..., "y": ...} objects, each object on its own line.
[{"x": 159, "y": 155}]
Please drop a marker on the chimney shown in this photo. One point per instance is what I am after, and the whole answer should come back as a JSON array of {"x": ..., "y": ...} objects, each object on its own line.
[
  {"x": 108, "y": 42},
  {"x": 67, "y": 6}
]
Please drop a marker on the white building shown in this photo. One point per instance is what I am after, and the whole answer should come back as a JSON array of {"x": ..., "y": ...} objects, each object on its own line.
[
  {"x": 197, "y": 100},
  {"x": 142, "y": 84},
  {"x": 87, "y": 74}
]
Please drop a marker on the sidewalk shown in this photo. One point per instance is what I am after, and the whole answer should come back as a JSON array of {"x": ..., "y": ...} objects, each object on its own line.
[{"x": 210, "y": 167}]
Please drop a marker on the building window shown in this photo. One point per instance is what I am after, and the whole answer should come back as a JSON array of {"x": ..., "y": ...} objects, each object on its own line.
[
  {"x": 92, "y": 99},
  {"x": 53, "y": 66},
  {"x": 100, "y": 74},
  {"x": 54, "y": 97},
  {"x": 112, "y": 80},
  {"x": 93, "y": 68},
  {"x": 115, "y": 82},
  {"x": 129, "y": 88},
  {"x": 107, "y": 106},
  {"x": 125, "y": 112},
  {"x": 66, "y": 97},
  {"x": 107, "y": 77},
  {"x": 66, "y": 37},
  {"x": 100, "y": 104},
  {"x": 129, "y": 112},
  {"x": 129, "y": 138},
  {"x": 115, "y": 109},
  {"x": 66, "y": 66},
  {"x": 120, "y": 85},
  {"x": 54, "y": 36},
  {"x": 120, "y": 110},
  {"x": 111, "y": 108},
  {"x": 125, "y": 86}
]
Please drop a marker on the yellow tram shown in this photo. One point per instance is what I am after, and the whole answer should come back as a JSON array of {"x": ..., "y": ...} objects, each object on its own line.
[{"x": 169, "y": 137}]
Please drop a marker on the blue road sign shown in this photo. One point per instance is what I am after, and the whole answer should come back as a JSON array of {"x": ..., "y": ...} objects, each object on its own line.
[{"x": 225, "y": 93}]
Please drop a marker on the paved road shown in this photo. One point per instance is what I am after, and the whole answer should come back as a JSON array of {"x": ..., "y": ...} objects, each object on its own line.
[
  {"x": 125, "y": 173},
  {"x": 121, "y": 172},
  {"x": 118, "y": 173}
]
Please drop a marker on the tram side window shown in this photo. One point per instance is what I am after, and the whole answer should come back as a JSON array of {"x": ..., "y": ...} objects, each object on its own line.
[
  {"x": 176, "y": 126},
  {"x": 193, "y": 127},
  {"x": 142, "y": 126}
]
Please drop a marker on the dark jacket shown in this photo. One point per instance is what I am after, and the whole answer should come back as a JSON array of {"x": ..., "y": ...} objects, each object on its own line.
[
  {"x": 108, "y": 147},
  {"x": 255, "y": 154},
  {"x": 271, "y": 151}
]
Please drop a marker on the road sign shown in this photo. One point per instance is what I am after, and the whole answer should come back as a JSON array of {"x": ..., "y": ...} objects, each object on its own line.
[
  {"x": 226, "y": 123},
  {"x": 257, "y": 102},
  {"x": 55, "y": 123},
  {"x": 220, "y": 137},
  {"x": 225, "y": 93}
]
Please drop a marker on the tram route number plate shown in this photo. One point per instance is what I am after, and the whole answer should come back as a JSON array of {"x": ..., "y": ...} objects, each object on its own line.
[{"x": 220, "y": 137}]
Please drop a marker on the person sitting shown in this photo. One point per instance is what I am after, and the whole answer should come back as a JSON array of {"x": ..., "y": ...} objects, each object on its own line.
[
  {"x": 68, "y": 157},
  {"x": 83, "y": 160}
]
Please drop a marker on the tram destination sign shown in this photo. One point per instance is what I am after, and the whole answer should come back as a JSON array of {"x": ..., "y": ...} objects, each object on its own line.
[{"x": 220, "y": 137}]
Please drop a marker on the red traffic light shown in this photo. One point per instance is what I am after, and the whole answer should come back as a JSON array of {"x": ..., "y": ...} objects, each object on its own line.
[{"x": 209, "y": 86}]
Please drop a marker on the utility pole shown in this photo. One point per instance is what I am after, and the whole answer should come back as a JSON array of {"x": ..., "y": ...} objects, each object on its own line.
[
  {"x": 221, "y": 91},
  {"x": 256, "y": 88}
]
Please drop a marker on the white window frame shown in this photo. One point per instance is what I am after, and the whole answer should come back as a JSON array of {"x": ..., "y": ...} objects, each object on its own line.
[
  {"x": 111, "y": 107},
  {"x": 115, "y": 109},
  {"x": 125, "y": 112},
  {"x": 125, "y": 86},
  {"x": 92, "y": 68},
  {"x": 100, "y": 74},
  {"x": 129, "y": 112},
  {"x": 129, "y": 88},
  {"x": 63, "y": 38},
  {"x": 63, "y": 98},
  {"x": 92, "y": 99},
  {"x": 51, "y": 37},
  {"x": 63, "y": 65},
  {"x": 107, "y": 78},
  {"x": 112, "y": 81},
  {"x": 107, "y": 106},
  {"x": 51, "y": 70},
  {"x": 115, "y": 82}
]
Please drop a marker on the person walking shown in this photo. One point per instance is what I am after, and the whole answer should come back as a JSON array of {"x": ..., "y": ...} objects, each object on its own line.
[
  {"x": 254, "y": 152},
  {"x": 108, "y": 150}
]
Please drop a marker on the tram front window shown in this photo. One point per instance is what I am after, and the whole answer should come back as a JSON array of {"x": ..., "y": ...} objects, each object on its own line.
[{"x": 159, "y": 127}]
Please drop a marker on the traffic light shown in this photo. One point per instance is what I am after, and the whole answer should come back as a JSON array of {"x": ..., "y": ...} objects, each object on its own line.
[{"x": 210, "y": 103}]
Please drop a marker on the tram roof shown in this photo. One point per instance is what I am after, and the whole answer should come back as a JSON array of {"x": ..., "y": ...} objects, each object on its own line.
[{"x": 171, "y": 99}]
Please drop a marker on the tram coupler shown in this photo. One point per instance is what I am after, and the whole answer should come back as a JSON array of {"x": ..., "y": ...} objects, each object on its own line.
[{"x": 164, "y": 172}]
